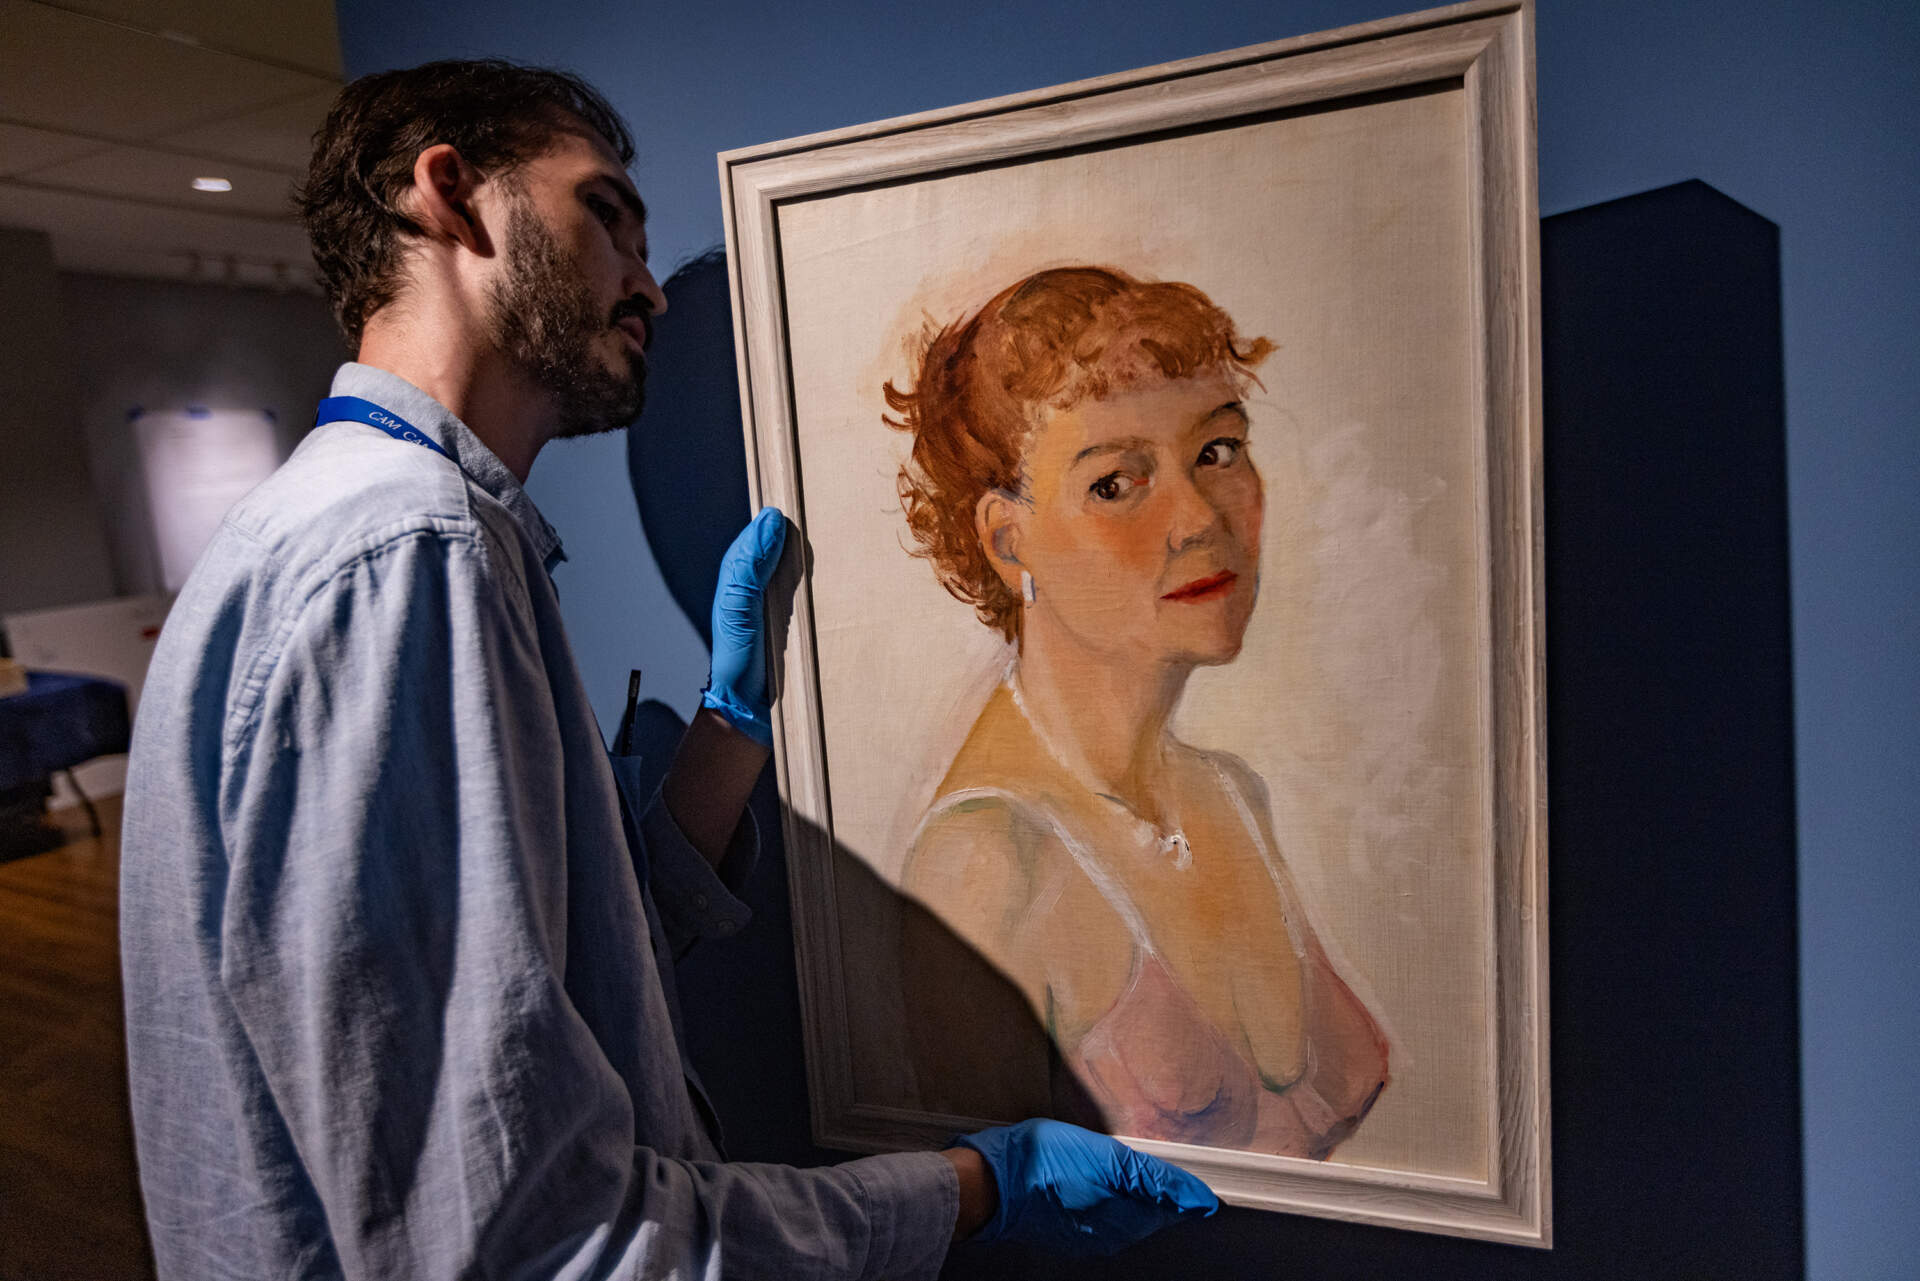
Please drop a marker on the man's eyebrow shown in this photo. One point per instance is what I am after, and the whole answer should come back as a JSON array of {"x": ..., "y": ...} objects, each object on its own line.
[{"x": 634, "y": 205}]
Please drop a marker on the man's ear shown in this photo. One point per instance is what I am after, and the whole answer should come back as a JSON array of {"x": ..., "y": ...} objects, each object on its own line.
[
  {"x": 442, "y": 198},
  {"x": 999, "y": 520}
]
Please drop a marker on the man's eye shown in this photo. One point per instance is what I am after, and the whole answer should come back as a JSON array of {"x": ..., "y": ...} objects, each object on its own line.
[
  {"x": 1221, "y": 452},
  {"x": 1114, "y": 485},
  {"x": 602, "y": 210}
]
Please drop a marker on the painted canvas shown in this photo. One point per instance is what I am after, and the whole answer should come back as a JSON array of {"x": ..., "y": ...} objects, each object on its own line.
[
  {"x": 1081, "y": 474},
  {"x": 1165, "y": 641}
]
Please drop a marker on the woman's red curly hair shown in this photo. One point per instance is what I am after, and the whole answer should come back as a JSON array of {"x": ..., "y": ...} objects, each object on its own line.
[{"x": 984, "y": 384}]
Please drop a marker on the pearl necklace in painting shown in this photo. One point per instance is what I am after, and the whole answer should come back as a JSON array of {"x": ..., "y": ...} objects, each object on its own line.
[{"x": 1168, "y": 843}]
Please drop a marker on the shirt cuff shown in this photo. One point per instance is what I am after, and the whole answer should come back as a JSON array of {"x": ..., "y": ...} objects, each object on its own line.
[
  {"x": 913, "y": 1201},
  {"x": 694, "y": 900}
]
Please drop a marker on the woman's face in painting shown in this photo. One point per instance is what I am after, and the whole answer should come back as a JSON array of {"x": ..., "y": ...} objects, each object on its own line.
[{"x": 1142, "y": 529}]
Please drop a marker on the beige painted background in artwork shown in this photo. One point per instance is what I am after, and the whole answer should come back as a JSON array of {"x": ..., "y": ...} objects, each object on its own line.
[{"x": 1361, "y": 693}]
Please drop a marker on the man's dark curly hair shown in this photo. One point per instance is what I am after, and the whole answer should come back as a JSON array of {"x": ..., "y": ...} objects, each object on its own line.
[{"x": 498, "y": 115}]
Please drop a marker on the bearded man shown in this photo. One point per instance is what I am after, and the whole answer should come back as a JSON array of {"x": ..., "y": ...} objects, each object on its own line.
[{"x": 398, "y": 938}]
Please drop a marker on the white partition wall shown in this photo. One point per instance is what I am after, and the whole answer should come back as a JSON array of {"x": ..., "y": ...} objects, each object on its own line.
[{"x": 197, "y": 464}]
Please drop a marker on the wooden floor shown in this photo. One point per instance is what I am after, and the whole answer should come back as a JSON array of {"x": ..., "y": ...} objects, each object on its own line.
[{"x": 69, "y": 1199}]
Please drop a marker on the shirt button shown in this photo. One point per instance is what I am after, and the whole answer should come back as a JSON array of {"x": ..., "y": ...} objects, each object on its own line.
[
  {"x": 726, "y": 927},
  {"x": 700, "y": 901}
]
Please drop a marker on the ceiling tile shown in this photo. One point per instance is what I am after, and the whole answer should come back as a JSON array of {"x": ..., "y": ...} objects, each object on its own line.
[
  {"x": 295, "y": 33},
  {"x": 110, "y": 258},
  {"x": 136, "y": 173},
  {"x": 279, "y": 136},
  {"x": 97, "y": 224},
  {"x": 23, "y": 150},
  {"x": 61, "y": 70}
]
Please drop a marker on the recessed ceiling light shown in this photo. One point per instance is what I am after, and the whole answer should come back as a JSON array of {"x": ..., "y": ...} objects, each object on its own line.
[{"x": 212, "y": 184}]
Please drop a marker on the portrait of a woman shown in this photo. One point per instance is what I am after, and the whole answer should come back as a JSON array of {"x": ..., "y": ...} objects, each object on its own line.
[{"x": 1080, "y": 474}]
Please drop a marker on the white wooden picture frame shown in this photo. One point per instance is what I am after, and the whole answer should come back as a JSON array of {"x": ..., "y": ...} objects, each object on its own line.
[{"x": 845, "y": 246}]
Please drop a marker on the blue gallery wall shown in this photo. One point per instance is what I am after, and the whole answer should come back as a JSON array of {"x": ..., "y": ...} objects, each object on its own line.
[{"x": 1806, "y": 113}]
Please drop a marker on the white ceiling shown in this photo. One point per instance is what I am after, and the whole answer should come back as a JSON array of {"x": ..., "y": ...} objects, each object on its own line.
[{"x": 110, "y": 108}]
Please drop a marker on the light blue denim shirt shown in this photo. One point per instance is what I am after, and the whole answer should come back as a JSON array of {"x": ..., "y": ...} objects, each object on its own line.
[{"x": 397, "y": 1002}]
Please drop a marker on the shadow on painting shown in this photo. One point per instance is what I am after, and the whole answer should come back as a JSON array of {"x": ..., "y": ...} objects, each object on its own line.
[
  {"x": 1079, "y": 475},
  {"x": 1096, "y": 923}
]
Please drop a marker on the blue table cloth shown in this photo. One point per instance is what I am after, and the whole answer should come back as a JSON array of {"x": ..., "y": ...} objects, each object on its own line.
[{"x": 60, "y": 721}]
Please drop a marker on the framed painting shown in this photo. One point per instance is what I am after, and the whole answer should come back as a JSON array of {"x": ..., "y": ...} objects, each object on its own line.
[{"x": 1160, "y": 713}]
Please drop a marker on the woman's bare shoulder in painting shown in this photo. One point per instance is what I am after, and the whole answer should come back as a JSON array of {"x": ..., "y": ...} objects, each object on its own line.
[
  {"x": 993, "y": 857},
  {"x": 990, "y": 883}
]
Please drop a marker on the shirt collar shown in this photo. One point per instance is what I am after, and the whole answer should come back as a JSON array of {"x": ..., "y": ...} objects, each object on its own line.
[{"x": 394, "y": 393}]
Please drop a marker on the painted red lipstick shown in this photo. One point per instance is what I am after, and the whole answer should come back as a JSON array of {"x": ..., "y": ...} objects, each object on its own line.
[{"x": 1204, "y": 588}]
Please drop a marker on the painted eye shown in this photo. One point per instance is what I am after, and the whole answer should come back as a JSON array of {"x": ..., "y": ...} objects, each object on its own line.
[
  {"x": 1113, "y": 486},
  {"x": 1221, "y": 452}
]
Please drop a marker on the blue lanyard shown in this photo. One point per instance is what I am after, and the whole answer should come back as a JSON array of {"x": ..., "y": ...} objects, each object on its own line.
[{"x": 352, "y": 409}]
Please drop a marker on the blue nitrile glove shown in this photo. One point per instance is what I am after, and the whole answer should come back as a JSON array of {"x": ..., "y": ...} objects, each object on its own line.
[
  {"x": 1076, "y": 1192},
  {"x": 737, "y": 682}
]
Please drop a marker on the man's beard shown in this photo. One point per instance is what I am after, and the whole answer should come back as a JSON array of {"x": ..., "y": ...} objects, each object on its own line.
[{"x": 544, "y": 316}]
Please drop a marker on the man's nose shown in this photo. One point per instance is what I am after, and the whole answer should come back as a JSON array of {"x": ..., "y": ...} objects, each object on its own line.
[{"x": 643, "y": 284}]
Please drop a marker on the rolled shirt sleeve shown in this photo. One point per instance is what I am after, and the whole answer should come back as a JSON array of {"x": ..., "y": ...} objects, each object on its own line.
[
  {"x": 462, "y": 1058},
  {"x": 695, "y": 899}
]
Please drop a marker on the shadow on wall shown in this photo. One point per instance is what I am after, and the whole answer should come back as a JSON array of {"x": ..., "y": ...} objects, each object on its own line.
[
  {"x": 685, "y": 457},
  {"x": 688, "y": 469},
  {"x": 690, "y": 480}
]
